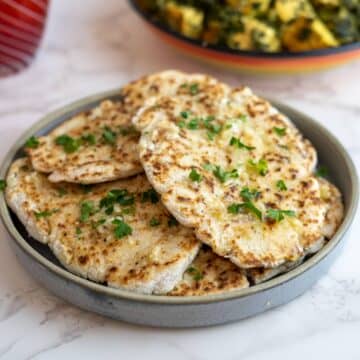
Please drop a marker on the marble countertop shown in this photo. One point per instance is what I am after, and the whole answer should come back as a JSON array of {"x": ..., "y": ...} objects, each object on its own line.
[{"x": 91, "y": 46}]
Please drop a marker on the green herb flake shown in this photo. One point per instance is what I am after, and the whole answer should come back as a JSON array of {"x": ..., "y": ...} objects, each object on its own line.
[
  {"x": 2, "y": 185},
  {"x": 243, "y": 118},
  {"x": 181, "y": 124},
  {"x": 278, "y": 215},
  {"x": 172, "y": 222},
  {"x": 248, "y": 206},
  {"x": 260, "y": 167},
  {"x": 279, "y": 131},
  {"x": 194, "y": 88},
  {"x": 208, "y": 167},
  {"x": 44, "y": 214},
  {"x": 96, "y": 224},
  {"x": 185, "y": 114},
  {"x": 193, "y": 124},
  {"x": 89, "y": 138},
  {"x": 69, "y": 144},
  {"x": 195, "y": 273},
  {"x": 87, "y": 208},
  {"x": 109, "y": 136},
  {"x": 78, "y": 231},
  {"x": 223, "y": 175},
  {"x": 195, "y": 176},
  {"x": 150, "y": 195},
  {"x": 129, "y": 211},
  {"x": 236, "y": 142},
  {"x": 248, "y": 194},
  {"x": 322, "y": 171},
  {"x": 280, "y": 184},
  {"x": 32, "y": 142},
  {"x": 212, "y": 129},
  {"x": 154, "y": 222},
  {"x": 122, "y": 229}
]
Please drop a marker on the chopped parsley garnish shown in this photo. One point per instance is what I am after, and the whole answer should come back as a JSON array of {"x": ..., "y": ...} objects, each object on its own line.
[
  {"x": 279, "y": 131},
  {"x": 248, "y": 194},
  {"x": 184, "y": 114},
  {"x": 278, "y": 215},
  {"x": 2, "y": 185},
  {"x": 44, "y": 214},
  {"x": 195, "y": 176},
  {"x": 243, "y": 118},
  {"x": 62, "y": 192},
  {"x": 32, "y": 142},
  {"x": 122, "y": 229},
  {"x": 172, "y": 222},
  {"x": 154, "y": 222},
  {"x": 109, "y": 136},
  {"x": 194, "y": 88},
  {"x": 120, "y": 196},
  {"x": 89, "y": 138},
  {"x": 212, "y": 129},
  {"x": 197, "y": 123},
  {"x": 209, "y": 167},
  {"x": 150, "y": 195},
  {"x": 96, "y": 224},
  {"x": 129, "y": 210},
  {"x": 116, "y": 196},
  {"x": 280, "y": 184},
  {"x": 195, "y": 273},
  {"x": 181, "y": 124},
  {"x": 87, "y": 208},
  {"x": 236, "y": 142},
  {"x": 193, "y": 124},
  {"x": 261, "y": 166},
  {"x": 223, "y": 175},
  {"x": 68, "y": 143},
  {"x": 248, "y": 206},
  {"x": 322, "y": 171},
  {"x": 78, "y": 231}
]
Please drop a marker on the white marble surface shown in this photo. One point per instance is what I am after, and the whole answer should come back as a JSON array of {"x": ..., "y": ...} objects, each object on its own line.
[{"x": 96, "y": 45}]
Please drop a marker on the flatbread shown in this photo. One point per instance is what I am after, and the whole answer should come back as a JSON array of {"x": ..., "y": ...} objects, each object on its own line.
[
  {"x": 210, "y": 274},
  {"x": 97, "y": 146},
  {"x": 172, "y": 147},
  {"x": 95, "y": 243},
  {"x": 100, "y": 145},
  {"x": 334, "y": 215}
]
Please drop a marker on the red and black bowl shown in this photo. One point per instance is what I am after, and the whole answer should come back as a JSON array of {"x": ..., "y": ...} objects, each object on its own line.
[{"x": 254, "y": 61}]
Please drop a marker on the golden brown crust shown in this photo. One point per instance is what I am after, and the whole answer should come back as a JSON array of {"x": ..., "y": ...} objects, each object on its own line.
[
  {"x": 151, "y": 259},
  {"x": 210, "y": 274},
  {"x": 169, "y": 152}
]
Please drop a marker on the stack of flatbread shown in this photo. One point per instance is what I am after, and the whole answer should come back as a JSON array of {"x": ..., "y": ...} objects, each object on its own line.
[{"x": 185, "y": 186}]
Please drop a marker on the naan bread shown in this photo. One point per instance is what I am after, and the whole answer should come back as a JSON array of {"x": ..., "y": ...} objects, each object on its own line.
[
  {"x": 101, "y": 145},
  {"x": 210, "y": 274},
  {"x": 135, "y": 246},
  {"x": 333, "y": 217},
  {"x": 200, "y": 157},
  {"x": 92, "y": 147}
]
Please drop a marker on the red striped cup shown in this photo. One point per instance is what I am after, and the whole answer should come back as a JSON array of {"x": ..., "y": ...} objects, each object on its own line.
[{"x": 21, "y": 27}]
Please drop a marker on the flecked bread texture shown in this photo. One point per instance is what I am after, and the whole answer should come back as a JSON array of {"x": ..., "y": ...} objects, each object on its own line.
[
  {"x": 152, "y": 259},
  {"x": 181, "y": 135}
]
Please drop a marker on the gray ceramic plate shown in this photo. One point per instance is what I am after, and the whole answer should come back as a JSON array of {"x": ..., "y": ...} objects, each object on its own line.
[{"x": 185, "y": 311}]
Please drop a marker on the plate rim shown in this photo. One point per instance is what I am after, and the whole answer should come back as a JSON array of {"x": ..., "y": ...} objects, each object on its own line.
[
  {"x": 279, "y": 55},
  {"x": 163, "y": 299}
]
